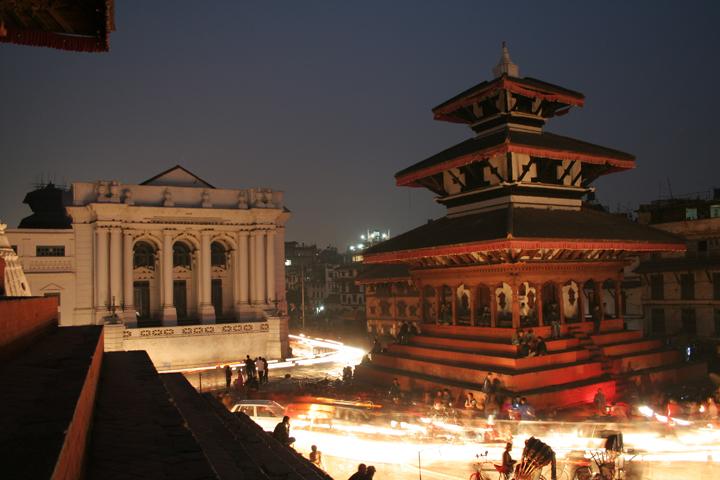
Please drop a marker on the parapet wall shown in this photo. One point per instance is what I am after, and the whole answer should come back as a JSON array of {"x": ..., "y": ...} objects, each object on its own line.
[
  {"x": 23, "y": 318},
  {"x": 185, "y": 347}
]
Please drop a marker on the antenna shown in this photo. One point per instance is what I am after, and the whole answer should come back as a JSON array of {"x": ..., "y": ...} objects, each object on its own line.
[{"x": 669, "y": 187}]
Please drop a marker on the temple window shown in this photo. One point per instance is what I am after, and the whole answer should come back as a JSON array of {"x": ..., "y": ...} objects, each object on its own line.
[
  {"x": 402, "y": 309},
  {"x": 571, "y": 304},
  {"x": 687, "y": 286},
  {"x": 689, "y": 322},
  {"x": 384, "y": 308},
  {"x": 463, "y": 305},
  {"x": 483, "y": 306},
  {"x": 181, "y": 255},
  {"x": 143, "y": 255},
  {"x": 550, "y": 308},
  {"x": 503, "y": 300},
  {"x": 657, "y": 319},
  {"x": 657, "y": 287}
]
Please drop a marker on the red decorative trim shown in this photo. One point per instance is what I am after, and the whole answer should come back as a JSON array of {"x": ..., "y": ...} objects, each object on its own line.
[
  {"x": 369, "y": 281},
  {"x": 444, "y": 112},
  {"x": 496, "y": 245},
  {"x": 409, "y": 179}
]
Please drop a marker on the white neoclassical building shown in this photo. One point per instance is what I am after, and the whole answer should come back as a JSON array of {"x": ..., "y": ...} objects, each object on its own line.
[{"x": 173, "y": 250}]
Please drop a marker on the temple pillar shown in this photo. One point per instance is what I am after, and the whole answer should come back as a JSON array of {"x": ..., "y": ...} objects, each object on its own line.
[
  {"x": 270, "y": 268},
  {"x": 101, "y": 273},
  {"x": 130, "y": 318},
  {"x": 421, "y": 297},
  {"x": 243, "y": 268},
  {"x": 515, "y": 304},
  {"x": 472, "y": 301},
  {"x": 539, "y": 305},
  {"x": 206, "y": 309},
  {"x": 493, "y": 306},
  {"x": 561, "y": 303},
  {"x": 453, "y": 304},
  {"x": 169, "y": 313},
  {"x": 116, "y": 293},
  {"x": 438, "y": 290},
  {"x": 235, "y": 261}
]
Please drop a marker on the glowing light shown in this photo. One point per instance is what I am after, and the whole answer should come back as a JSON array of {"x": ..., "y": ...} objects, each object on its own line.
[{"x": 646, "y": 411}]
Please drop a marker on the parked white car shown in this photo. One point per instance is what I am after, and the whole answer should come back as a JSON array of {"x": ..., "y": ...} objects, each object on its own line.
[{"x": 265, "y": 413}]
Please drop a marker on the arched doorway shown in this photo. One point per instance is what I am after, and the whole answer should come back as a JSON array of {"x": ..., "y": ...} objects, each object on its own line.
[
  {"x": 527, "y": 298},
  {"x": 445, "y": 311},
  {"x": 482, "y": 308},
  {"x": 463, "y": 305},
  {"x": 571, "y": 302},
  {"x": 550, "y": 305},
  {"x": 429, "y": 306},
  {"x": 503, "y": 306},
  {"x": 608, "y": 298},
  {"x": 146, "y": 282},
  {"x": 220, "y": 279},
  {"x": 183, "y": 281}
]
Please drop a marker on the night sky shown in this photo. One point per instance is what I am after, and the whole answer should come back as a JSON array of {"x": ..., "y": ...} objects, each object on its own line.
[{"x": 327, "y": 100}]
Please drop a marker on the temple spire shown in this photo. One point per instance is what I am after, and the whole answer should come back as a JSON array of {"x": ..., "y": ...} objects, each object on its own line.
[{"x": 505, "y": 65}]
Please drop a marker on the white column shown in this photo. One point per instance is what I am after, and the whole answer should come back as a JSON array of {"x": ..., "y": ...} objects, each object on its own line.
[
  {"x": 252, "y": 269},
  {"x": 101, "y": 273},
  {"x": 270, "y": 267},
  {"x": 235, "y": 263},
  {"x": 260, "y": 266},
  {"x": 207, "y": 311},
  {"x": 116, "y": 293},
  {"x": 280, "y": 292},
  {"x": 128, "y": 291},
  {"x": 243, "y": 268},
  {"x": 169, "y": 314}
]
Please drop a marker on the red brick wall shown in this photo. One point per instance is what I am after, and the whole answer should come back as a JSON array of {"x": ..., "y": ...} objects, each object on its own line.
[
  {"x": 22, "y": 318},
  {"x": 71, "y": 460}
]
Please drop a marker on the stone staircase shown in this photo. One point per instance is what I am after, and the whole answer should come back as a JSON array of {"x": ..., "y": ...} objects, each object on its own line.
[{"x": 459, "y": 357}]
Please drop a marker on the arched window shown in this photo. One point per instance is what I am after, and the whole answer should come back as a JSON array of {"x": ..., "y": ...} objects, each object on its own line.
[
  {"x": 218, "y": 255},
  {"x": 143, "y": 255},
  {"x": 181, "y": 255}
]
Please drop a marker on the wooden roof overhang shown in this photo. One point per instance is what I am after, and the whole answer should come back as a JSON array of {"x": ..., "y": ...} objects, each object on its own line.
[
  {"x": 414, "y": 178},
  {"x": 511, "y": 250},
  {"x": 527, "y": 87},
  {"x": 80, "y": 25}
]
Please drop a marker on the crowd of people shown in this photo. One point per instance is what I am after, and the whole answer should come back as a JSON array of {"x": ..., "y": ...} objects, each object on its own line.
[
  {"x": 252, "y": 375},
  {"x": 493, "y": 401},
  {"x": 529, "y": 345}
]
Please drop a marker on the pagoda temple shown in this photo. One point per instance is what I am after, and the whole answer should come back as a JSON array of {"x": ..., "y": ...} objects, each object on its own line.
[{"x": 520, "y": 246}]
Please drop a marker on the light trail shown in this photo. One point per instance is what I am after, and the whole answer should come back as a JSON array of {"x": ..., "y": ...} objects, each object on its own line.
[{"x": 337, "y": 352}]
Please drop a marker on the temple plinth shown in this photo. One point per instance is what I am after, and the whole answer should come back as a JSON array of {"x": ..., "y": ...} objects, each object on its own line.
[{"x": 522, "y": 245}]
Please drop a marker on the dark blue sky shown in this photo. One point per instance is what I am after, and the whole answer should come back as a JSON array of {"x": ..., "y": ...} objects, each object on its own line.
[{"x": 327, "y": 100}]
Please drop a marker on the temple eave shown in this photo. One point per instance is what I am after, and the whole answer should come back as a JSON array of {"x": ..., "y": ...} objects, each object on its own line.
[
  {"x": 515, "y": 246},
  {"x": 614, "y": 164}
]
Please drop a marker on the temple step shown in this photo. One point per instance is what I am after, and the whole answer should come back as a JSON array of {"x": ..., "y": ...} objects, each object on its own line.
[{"x": 471, "y": 373}]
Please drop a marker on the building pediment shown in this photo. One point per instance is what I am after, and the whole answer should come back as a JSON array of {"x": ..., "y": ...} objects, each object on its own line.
[{"x": 177, "y": 176}]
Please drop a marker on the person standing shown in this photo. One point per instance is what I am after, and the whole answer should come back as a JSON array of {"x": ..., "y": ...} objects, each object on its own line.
[
  {"x": 370, "y": 473},
  {"x": 261, "y": 369},
  {"x": 596, "y": 318},
  {"x": 228, "y": 377},
  {"x": 600, "y": 402},
  {"x": 267, "y": 370}
]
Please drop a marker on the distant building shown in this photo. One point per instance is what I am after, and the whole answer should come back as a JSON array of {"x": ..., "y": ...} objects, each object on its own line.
[{"x": 681, "y": 292}]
